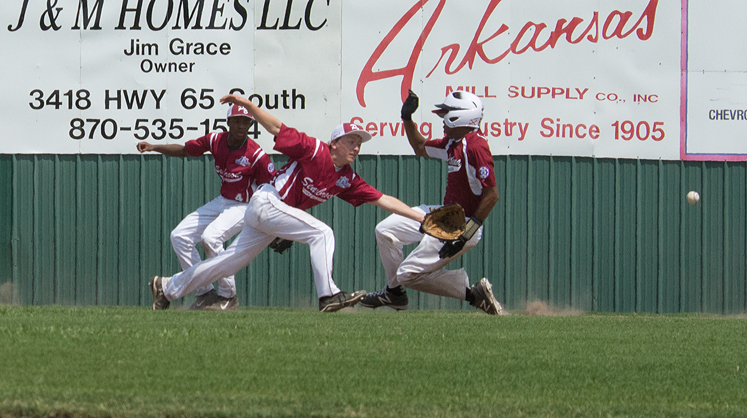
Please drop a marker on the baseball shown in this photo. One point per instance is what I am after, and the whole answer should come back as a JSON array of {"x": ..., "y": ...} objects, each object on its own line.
[{"x": 693, "y": 197}]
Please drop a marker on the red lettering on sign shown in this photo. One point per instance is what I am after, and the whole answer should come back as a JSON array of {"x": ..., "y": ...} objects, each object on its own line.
[{"x": 616, "y": 25}]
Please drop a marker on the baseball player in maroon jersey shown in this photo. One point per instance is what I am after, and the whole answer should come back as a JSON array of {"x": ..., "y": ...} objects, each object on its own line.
[
  {"x": 315, "y": 172},
  {"x": 242, "y": 166},
  {"x": 471, "y": 183}
]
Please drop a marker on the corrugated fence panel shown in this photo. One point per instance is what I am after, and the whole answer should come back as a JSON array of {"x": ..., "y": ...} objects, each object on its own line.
[
  {"x": 647, "y": 231},
  {"x": 735, "y": 253},
  {"x": 713, "y": 237},
  {"x": 109, "y": 226},
  {"x": 516, "y": 201},
  {"x": 6, "y": 230},
  {"x": 603, "y": 279},
  {"x": 691, "y": 244},
  {"x": 561, "y": 232},
  {"x": 538, "y": 227},
  {"x": 44, "y": 222},
  {"x": 131, "y": 242},
  {"x": 65, "y": 226},
  {"x": 589, "y": 234},
  {"x": 670, "y": 204},
  {"x": 24, "y": 213},
  {"x": 581, "y": 241},
  {"x": 494, "y": 243},
  {"x": 625, "y": 235}
]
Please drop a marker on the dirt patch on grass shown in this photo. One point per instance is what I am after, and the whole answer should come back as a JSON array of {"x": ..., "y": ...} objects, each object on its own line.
[{"x": 540, "y": 308}]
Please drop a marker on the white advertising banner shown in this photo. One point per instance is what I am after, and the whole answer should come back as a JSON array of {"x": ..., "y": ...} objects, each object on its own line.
[{"x": 650, "y": 79}]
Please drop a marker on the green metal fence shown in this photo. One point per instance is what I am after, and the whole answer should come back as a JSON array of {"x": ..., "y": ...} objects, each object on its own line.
[{"x": 590, "y": 234}]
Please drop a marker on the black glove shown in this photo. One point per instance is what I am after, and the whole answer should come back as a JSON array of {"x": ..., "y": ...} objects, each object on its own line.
[
  {"x": 450, "y": 248},
  {"x": 409, "y": 106},
  {"x": 279, "y": 245}
]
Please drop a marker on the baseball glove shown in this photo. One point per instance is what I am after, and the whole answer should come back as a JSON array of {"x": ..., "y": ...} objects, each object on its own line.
[
  {"x": 445, "y": 223},
  {"x": 279, "y": 245}
]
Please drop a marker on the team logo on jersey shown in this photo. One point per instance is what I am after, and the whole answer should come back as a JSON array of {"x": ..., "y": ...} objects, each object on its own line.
[
  {"x": 314, "y": 192},
  {"x": 270, "y": 168},
  {"x": 343, "y": 182},
  {"x": 243, "y": 161},
  {"x": 454, "y": 164},
  {"x": 484, "y": 172}
]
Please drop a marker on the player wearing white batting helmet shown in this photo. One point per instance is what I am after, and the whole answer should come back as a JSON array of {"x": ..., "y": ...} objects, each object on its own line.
[
  {"x": 470, "y": 183},
  {"x": 315, "y": 172},
  {"x": 242, "y": 166},
  {"x": 460, "y": 109}
]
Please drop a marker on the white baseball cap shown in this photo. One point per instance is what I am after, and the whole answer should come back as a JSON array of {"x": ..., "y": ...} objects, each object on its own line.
[
  {"x": 236, "y": 110},
  {"x": 349, "y": 128}
]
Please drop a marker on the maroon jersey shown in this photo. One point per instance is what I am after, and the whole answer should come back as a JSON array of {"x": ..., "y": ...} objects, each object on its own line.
[
  {"x": 310, "y": 177},
  {"x": 470, "y": 168},
  {"x": 241, "y": 171}
]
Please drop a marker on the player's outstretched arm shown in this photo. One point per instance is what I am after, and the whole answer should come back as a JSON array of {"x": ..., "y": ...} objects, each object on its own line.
[
  {"x": 394, "y": 205},
  {"x": 417, "y": 140},
  {"x": 269, "y": 122},
  {"x": 171, "y": 150}
]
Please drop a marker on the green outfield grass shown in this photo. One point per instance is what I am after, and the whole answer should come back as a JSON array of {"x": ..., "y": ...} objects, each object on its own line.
[{"x": 132, "y": 362}]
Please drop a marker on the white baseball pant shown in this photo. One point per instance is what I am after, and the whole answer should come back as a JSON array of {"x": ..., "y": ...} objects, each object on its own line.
[
  {"x": 266, "y": 217},
  {"x": 423, "y": 270},
  {"x": 212, "y": 224}
]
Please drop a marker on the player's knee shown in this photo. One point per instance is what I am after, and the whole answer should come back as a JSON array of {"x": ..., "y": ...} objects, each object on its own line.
[
  {"x": 322, "y": 235},
  {"x": 383, "y": 234},
  {"x": 406, "y": 278},
  {"x": 178, "y": 240},
  {"x": 211, "y": 242}
]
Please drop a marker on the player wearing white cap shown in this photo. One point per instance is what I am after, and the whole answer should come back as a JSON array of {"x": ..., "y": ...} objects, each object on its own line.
[
  {"x": 242, "y": 166},
  {"x": 471, "y": 183},
  {"x": 315, "y": 172}
]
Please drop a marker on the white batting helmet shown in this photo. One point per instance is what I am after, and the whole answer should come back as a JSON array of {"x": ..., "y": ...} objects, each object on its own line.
[{"x": 461, "y": 109}]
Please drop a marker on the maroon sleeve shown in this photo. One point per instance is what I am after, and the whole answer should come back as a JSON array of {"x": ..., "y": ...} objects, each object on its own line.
[
  {"x": 481, "y": 159},
  {"x": 264, "y": 170},
  {"x": 199, "y": 146},
  {"x": 295, "y": 144},
  {"x": 360, "y": 192}
]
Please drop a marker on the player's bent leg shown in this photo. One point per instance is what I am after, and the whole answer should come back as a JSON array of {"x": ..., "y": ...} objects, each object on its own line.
[
  {"x": 184, "y": 238},
  {"x": 393, "y": 233},
  {"x": 229, "y": 223},
  {"x": 268, "y": 213},
  {"x": 247, "y": 245}
]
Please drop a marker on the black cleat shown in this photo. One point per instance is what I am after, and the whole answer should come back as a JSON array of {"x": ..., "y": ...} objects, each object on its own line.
[
  {"x": 384, "y": 297},
  {"x": 159, "y": 299},
  {"x": 341, "y": 300},
  {"x": 484, "y": 299}
]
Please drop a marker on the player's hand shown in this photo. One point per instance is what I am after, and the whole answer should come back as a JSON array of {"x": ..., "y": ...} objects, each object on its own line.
[
  {"x": 410, "y": 106},
  {"x": 451, "y": 248},
  {"x": 144, "y": 146},
  {"x": 229, "y": 98}
]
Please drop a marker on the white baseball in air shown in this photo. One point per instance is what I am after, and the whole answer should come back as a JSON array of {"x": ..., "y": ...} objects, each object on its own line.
[{"x": 693, "y": 197}]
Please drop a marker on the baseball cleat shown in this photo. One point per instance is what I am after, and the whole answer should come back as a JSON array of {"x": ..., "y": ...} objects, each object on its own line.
[
  {"x": 159, "y": 299},
  {"x": 224, "y": 304},
  {"x": 340, "y": 300},
  {"x": 484, "y": 299},
  {"x": 203, "y": 301},
  {"x": 383, "y": 297}
]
